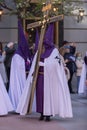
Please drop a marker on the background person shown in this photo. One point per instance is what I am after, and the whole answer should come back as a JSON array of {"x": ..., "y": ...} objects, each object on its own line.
[
  {"x": 83, "y": 80},
  {"x": 79, "y": 63},
  {"x": 69, "y": 58},
  {"x": 9, "y": 49},
  {"x": 2, "y": 66}
]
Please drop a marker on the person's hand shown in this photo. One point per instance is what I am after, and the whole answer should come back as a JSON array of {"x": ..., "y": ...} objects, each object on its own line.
[
  {"x": 4, "y": 53},
  {"x": 66, "y": 61},
  {"x": 73, "y": 44}
]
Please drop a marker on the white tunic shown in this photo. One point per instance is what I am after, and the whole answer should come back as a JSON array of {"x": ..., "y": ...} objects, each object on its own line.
[
  {"x": 5, "y": 103},
  {"x": 17, "y": 79},
  {"x": 56, "y": 93}
]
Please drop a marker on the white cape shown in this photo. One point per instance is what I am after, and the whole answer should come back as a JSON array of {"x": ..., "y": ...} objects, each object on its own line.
[
  {"x": 82, "y": 86},
  {"x": 5, "y": 103},
  {"x": 56, "y": 93},
  {"x": 17, "y": 79}
]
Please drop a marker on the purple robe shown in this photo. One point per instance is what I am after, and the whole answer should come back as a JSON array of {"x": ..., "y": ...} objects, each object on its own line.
[{"x": 49, "y": 46}]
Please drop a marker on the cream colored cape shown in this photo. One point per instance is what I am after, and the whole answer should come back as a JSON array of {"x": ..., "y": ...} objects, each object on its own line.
[{"x": 56, "y": 93}]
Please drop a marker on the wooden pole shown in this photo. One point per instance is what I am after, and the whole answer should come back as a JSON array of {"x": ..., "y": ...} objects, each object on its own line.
[
  {"x": 36, "y": 68},
  {"x": 56, "y": 34}
]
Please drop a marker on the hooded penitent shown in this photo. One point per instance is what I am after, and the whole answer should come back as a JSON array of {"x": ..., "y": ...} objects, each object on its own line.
[
  {"x": 49, "y": 46},
  {"x": 52, "y": 94},
  {"x": 19, "y": 64}
]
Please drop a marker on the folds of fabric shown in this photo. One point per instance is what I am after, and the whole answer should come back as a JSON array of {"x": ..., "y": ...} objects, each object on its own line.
[
  {"x": 56, "y": 93},
  {"x": 24, "y": 100},
  {"x": 17, "y": 79},
  {"x": 5, "y": 103},
  {"x": 82, "y": 87}
]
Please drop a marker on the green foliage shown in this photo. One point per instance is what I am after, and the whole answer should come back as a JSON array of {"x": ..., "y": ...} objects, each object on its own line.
[
  {"x": 65, "y": 7},
  {"x": 27, "y": 9},
  {"x": 22, "y": 3}
]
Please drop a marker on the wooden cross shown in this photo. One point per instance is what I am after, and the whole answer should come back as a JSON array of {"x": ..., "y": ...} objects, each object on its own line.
[
  {"x": 43, "y": 25},
  {"x": 50, "y": 20}
]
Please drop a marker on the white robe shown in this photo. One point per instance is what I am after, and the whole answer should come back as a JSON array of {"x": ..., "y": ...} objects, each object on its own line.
[
  {"x": 82, "y": 87},
  {"x": 17, "y": 79},
  {"x": 56, "y": 93},
  {"x": 5, "y": 103}
]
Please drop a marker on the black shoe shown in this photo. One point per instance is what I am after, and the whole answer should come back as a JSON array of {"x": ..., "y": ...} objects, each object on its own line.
[
  {"x": 72, "y": 92},
  {"x": 47, "y": 118},
  {"x": 41, "y": 117}
]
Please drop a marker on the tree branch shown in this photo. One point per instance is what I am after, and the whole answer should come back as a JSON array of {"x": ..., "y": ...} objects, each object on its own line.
[{"x": 3, "y": 4}]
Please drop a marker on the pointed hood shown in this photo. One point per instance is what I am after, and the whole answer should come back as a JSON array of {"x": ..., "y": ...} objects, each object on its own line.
[
  {"x": 48, "y": 41},
  {"x": 49, "y": 36},
  {"x": 23, "y": 48}
]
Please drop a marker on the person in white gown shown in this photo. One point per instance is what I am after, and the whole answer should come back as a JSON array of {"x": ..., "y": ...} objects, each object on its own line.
[
  {"x": 83, "y": 78},
  {"x": 19, "y": 65},
  {"x": 52, "y": 94},
  {"x": 5, "y": 103}
]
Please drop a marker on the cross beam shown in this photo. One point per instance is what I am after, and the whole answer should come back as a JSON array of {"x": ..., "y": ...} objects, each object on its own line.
[{"x": 49, "y": 20}]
